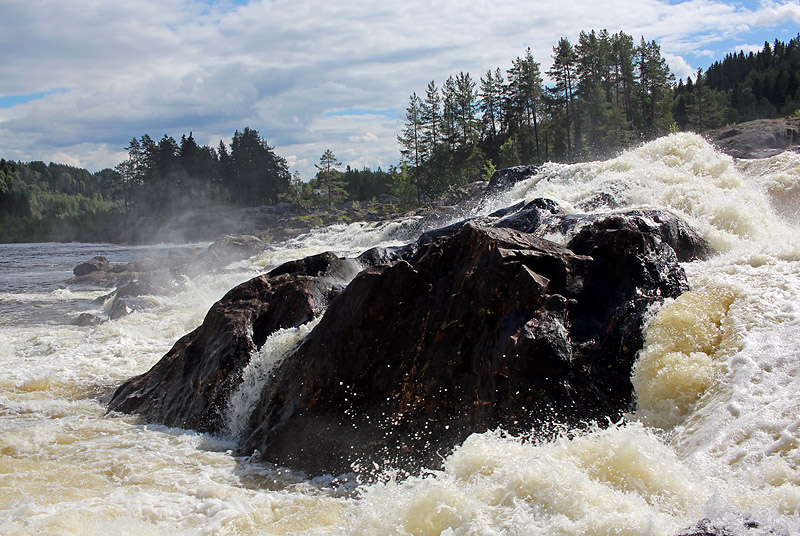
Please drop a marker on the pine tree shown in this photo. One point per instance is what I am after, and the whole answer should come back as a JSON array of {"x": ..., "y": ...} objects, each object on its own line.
[
  {"x": 654, "y": 83},
  {"x": 431, "y": 116},
  {"x": 524, "y": 94},
  {"x": 491, "y": 104},
  {"x": 411, "y": 140},
  {"x": 704, "y": 111},
  {"x": 328, "y": 176},
  {"x": 563, "y": 73}
]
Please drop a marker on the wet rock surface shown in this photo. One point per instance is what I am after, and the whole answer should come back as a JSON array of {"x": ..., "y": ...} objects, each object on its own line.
[
  {"x": 191, "y": 383},
  {"x": 479, "y": 325},
  {"x": 96, "y": 264},
  {"x": 761, "y": 138},
  {"x": 505, "y": 178}
]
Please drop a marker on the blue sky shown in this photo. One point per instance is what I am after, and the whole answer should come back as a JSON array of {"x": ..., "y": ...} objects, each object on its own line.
[{"x": 79, "y": 79}]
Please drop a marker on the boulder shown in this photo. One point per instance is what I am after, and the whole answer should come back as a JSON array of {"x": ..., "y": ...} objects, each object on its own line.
[
  {"x": 479, "y": 325},
  {"x": 96, "y": 264},
  {"x": 87, "y": 319},
  {"x": 123, "y": 306},
  {"x": 490, "y": 327},
  {"x": 505, "y": 178},
  {"x": 761, "y": 138},
  {"x": 189, "y": 386}
]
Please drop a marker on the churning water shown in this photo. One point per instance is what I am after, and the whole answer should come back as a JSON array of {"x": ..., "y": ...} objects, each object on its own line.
[{"x": 716, "y": 433}]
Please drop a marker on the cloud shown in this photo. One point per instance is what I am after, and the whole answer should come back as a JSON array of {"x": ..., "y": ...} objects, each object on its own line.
[
  {"x": 679, "y": 67},
  {"x": 747, "y": 48},
  {"x": 307, "y": 75}
]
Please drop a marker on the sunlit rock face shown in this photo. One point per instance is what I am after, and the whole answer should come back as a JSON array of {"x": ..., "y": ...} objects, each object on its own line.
[
  {"x": 761, "y": 138},
  {"x": 480, "y": 325}
]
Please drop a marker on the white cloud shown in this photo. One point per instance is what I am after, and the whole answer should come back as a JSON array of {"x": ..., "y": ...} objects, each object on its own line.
[
  {"x": 283, "y": 66},
  {"x": 746, "y": 48},
  {"x": 679, "y": 66}
]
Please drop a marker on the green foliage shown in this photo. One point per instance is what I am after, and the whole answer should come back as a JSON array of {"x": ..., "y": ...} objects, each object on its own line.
[
  {"x": 606, "y": 93},
  {"x": 167, "y": 177},
  {"x": 366, "y": 184},
  {"x": 257, "y": 176},
  {"x": 59, "y": 202},
  {"x": 509, "y": 156},
  {"x": 488, "y": 170},
  {"x": 742, "y": 87},
  {"x": 328, "y": 177},
  {"x": 404, "y": 186}
]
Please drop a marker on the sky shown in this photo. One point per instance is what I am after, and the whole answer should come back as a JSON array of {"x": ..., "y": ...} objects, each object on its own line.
[{"x": 80, "y": 79}]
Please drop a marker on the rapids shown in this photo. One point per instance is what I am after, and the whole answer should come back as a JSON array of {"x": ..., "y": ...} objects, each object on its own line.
[{"x": 715, "y": 434}]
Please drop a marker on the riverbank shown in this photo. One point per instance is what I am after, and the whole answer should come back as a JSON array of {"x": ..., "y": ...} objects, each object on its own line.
[{"x": 757, "y": 139}]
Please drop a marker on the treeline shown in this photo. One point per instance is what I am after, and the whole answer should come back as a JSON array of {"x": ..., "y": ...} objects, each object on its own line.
[
  {"x": 56, "y": 202},
  {"x": 167, "y": 177},
  {"x": 607, "y": 92},
  {"x": 331, "y": 186},
  {"x": 741, "y": 87},
  {"x": 41, "y": 201}
]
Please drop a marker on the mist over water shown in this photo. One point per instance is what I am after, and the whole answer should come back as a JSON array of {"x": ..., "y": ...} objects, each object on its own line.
[{"x": 715, "y": 434}]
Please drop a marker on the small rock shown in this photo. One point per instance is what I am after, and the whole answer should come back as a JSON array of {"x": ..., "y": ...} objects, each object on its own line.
[
  {"x": 96, "y": 264},
  {"x": 125, "y": 306},
  {"x": 86, "y": 319}
]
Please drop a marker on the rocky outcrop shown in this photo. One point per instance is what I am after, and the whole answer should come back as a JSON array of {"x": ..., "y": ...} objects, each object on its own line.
[
  {"x": 761, "y": 138},
  {"x": 482, "y": 325},
  {"x": 96, "y": 264},
  {"x": 190, "y": 385},
  {"x": 158, "y": 275},
  {"x": 502, "y": 179}
]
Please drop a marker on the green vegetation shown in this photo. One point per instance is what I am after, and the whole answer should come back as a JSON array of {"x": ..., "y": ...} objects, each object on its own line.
[
  {"x": 742, "y": 88},
  {"x": 607, "y": 93},
  {"x": 55, "y": 201},
  {"x": 166, "y": 177}
]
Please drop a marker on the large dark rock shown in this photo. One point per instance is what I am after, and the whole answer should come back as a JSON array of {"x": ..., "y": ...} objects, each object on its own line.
[
  {"x": 95, "y": 264},
  {"x": 507, "y": 177},
  {"x": 482, "y": 325},
  {"x": 190, "y": 385},
  {"x": 488, "y": 328}
]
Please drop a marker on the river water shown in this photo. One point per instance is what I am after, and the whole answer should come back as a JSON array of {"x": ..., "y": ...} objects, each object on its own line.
[{"x": 715, "y": 435}]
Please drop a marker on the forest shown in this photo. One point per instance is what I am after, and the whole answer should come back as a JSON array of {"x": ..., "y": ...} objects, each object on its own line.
[{"x": 607, "y": 93}]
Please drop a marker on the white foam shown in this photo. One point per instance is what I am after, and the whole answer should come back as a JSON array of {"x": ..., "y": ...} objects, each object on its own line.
[{"x": 258, "y": 373}]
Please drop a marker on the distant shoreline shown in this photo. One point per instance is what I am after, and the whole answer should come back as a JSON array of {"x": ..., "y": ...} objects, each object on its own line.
[{"x": 761, "y": 138}]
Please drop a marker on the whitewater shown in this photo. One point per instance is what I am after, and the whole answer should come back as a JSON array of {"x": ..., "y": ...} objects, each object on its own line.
[{"x": 715, "y": 433}]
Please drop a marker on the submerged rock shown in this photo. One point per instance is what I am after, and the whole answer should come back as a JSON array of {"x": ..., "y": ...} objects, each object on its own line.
[
  {"x": 478, "y": 326},
  {"x": 705, "y": 527},
  {"x": 123, "y": 306},
  {"x": 87, "y": 319}
]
